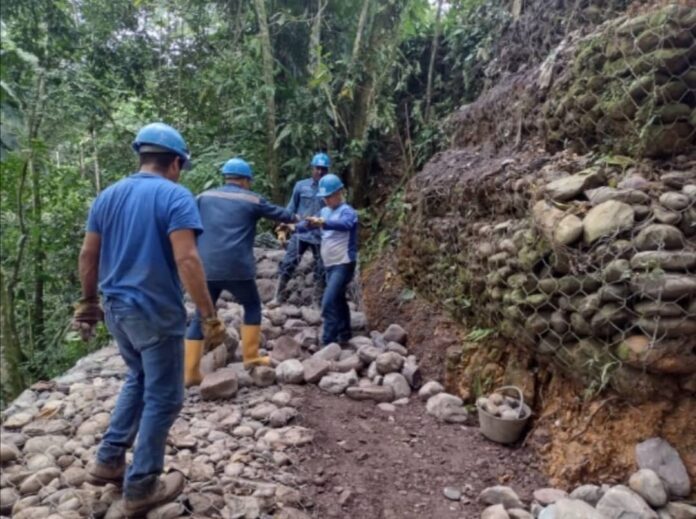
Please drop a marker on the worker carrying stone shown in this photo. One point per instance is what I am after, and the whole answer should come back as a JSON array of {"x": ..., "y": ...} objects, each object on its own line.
[
  {"x": 229, "y": 215},
  {"x": 140, "y": 242},
  {"x": 338, "y": 223},
  {"x": 304, "y": 202}
]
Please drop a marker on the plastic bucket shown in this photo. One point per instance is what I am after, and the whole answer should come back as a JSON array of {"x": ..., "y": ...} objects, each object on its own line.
[{"x": 504, "y": 430}]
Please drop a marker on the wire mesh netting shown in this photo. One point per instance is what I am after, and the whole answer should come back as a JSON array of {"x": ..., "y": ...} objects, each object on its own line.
[{"x": 583, "y": 253}]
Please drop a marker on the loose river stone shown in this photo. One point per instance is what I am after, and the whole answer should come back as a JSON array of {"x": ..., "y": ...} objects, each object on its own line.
[
  {"x": 8, "y": 452},
  {"x": 495, "y": 512},
  {"x": 570, "y": 509},
  {"x": 35, "y": 482},
  {"x": 315, "y": 369},
  {"x": 395, "y": 333},
  {"x": 452, "y": 493},
  {"x": 389, "y": 362},
  {"x": 220, "y": 384},
  {"x": 659, "y": 456},
  {"x": 500, "y": 495},
  {"x": 18, "y": 420},
  {"x": 448, "y": 408},
  {"x": 621, "y": 501},
  {"x": 285, "y": 348},
  {"x": 263, "y": 376},
  {"x": 372, "y": 392},
  {"x": 399, "y": 384},
  {"x": 8, "y": 497},
  {"x": 548, "y": 496},
  {"x": 281, "y": 417},
  {"x": 290, "y": 372},
  {"x": 430, "y": 389},
  {"x": 648, "y": 485},
  {"x": 591, "y": 494},
  {"x": 336, "y": 383}
]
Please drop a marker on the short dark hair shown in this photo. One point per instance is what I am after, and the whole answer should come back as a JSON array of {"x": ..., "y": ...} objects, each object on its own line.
[{"x": 161, "y": 161}]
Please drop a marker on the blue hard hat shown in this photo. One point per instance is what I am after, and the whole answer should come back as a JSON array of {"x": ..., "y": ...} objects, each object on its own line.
[
  {"x": 238, "y": 168},
  {"x": 321, "y": 160},
  {"x": 159, "y": 138},
  {"x": 329, "y": 184}
]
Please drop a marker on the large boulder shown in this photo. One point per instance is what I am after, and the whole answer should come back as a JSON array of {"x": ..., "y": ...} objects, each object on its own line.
[
  {"x": 219, "y": 384},
  {"x": 290, "y": 371}
]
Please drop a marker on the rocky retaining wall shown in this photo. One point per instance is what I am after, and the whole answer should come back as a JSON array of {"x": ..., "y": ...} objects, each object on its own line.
[{"x": 588, "y": 262}]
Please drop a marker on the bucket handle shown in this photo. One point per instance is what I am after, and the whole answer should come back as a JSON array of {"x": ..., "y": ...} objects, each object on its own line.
[{"x": 520, "y": 397}]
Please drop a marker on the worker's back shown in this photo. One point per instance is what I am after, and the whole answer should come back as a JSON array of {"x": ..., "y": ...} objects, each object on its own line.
[
  {"x": 229, "y": 215},
  {"x": 136, "y": 264}
]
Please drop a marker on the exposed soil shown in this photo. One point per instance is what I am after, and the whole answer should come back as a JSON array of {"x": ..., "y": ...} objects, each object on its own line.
[
  {"x": 369, "y": 464},
  {"x": 387, "y": 300}
]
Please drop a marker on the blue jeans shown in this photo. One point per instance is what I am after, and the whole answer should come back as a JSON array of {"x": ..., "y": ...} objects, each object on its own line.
[
  {"x": 293, "y": 256},
  {"x": 246, "y": 294},
  {"x": 150, "y": 399},
  {"x": 334, "y": 305}
]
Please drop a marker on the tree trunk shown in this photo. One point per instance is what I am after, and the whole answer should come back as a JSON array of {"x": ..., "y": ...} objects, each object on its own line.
[
  {"x": 431, "y": 65},
  {"x": 39, "y": 255},
  {"x": 366, "y": 67},
  {"x": 11, "y": 353},
  {"x": 267, "y": 54},
  {"x": 95, "y": 157}
]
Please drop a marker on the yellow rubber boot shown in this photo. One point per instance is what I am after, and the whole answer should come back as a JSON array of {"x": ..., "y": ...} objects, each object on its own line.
[
  {"x": 192, "y": 361},
  {"x": 251, "y": 339}
]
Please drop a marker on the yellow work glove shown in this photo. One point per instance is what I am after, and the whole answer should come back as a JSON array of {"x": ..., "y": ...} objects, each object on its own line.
[
  {"x": 87, "y": 314},
  {"x": 214, "y": 333}
]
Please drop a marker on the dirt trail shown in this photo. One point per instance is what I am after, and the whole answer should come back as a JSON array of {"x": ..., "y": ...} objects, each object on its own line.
[{"x": 369, "y": 464}]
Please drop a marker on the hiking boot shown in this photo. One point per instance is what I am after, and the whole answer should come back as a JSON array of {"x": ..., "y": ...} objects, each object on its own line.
[
  {"x": 166, "y": 489},
  {"x": 100, "y": 474}
]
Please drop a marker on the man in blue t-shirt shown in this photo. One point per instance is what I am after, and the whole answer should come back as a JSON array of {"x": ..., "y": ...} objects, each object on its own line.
[
  {"x": 304, "y": 202},
  {"x": 139, "y": 246},
  {"x": 229, "y": 215}
]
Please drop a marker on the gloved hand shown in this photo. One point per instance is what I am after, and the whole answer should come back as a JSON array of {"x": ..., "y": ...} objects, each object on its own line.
[
  {"x": 214, "y": 333},
  {"x": 87, "y": 314},
  {"x": 314, "y": 222},
  {"x": 283, "y": 231}
]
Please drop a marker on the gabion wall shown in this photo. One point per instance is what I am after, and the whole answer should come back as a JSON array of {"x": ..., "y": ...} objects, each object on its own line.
[{"x": 587, "y": 261}]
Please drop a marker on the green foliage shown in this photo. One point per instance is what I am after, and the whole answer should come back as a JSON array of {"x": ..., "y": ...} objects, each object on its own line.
[{"x": 79, "y": 78}]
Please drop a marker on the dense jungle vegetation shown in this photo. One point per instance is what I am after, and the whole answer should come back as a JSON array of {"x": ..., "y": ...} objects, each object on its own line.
[{"x": 270, "y": 80}]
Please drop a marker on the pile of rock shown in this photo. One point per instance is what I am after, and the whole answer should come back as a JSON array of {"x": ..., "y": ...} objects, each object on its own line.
[
  {"x": 502, "y": 406},
  {"x": 653, "y": 492},
  {"x": 300, "y": 291},
  {"x": 377, "y": 368}
]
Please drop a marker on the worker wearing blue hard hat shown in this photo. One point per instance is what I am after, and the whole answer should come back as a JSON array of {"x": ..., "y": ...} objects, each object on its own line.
[
  {"x": 229, "y": 214},
  {"x": 139, "y": 247},
  {"x": 305, "y": 203},
  {"x": 338, "y": 224}
]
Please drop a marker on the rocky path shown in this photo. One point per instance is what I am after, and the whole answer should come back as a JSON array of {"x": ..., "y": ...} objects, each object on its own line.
[{"x": 332, "y": 432}]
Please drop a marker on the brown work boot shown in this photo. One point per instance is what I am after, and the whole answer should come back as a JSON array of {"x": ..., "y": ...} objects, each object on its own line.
[
  {"x": 166, "y": 489},
  {"x": 100, "y": 474}
]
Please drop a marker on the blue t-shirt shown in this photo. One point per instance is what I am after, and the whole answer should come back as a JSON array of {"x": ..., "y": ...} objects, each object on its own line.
[
  {"x": 305, "y": 202},
  {"x": 136, "y": 263},
  {"x": 229, "y": 215}
]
